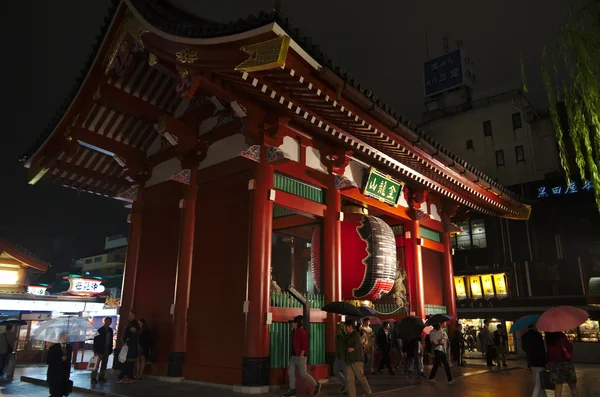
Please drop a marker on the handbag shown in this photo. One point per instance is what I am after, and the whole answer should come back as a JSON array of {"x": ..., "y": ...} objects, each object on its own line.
[
  {"x": 546, "y": 381},
  {"x": 69, "y": 387},
  {"x": 93, "y": 364},
  {"x": 123, "y": 354}
]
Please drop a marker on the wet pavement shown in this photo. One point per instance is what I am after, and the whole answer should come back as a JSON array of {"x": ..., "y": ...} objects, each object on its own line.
[{"x": 473, "y": 380}]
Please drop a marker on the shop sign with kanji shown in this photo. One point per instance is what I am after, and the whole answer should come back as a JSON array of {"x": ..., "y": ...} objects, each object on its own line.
[
  {"x": 571, "y": 188},
  {"x": 383, "y": 188},
  {"x": 83, "y": 286}
]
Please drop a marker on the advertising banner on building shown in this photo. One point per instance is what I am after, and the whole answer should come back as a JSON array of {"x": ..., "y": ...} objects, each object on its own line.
[
  {"x": 443, "y": 73},
  {"x": 475, "y": 287},
  {"x": 500, "y": 284},
  {"x": 488, "y": 286},
  {"x": 459, "y": 286}
]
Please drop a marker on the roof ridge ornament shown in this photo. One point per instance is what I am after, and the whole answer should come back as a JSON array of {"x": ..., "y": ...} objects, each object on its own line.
[{"x": 267, "y": 55}]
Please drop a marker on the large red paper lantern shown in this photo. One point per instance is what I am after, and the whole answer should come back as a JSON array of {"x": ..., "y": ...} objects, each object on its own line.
[{"x": 368, "y": 257}]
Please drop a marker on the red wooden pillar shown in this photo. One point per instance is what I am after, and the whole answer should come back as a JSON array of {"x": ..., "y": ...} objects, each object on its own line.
[
  {"x": 131, "y": 263},
  {"x": 332, "y": 262},
  {"x": 184, "y": 273},
  {"x": 419, "y": 300},
  {"x": 448, "y": 211},
  {"x": 255, "y": 363},
  {"x": 415, "y": 197}
]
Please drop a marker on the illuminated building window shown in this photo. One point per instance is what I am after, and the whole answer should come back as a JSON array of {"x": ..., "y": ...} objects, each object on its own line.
[
  {"x": 98, "y": 259},
  {"x": 472, "y": 237}
]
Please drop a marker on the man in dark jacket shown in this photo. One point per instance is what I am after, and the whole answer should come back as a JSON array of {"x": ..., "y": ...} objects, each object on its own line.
[
  {"x": 533, "y": 345},
  {"x": 103, "y": 348},
  {"x": 299, "y": 358},
  {"x": 59, "y": 367},
  {"x": 355, "y": 362},
  {"x": 384, "y": 344}
]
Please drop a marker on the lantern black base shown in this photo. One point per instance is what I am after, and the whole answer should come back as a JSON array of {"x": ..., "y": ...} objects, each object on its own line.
[
  {"x": 255, "y": 371},
  {"x": 176, "y": 360},
  {"x": 329, "y": 357}
]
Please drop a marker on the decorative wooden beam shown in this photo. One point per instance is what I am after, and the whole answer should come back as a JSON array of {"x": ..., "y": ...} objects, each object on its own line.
[
  {"x": 37, "y": 171},
  {"x": 222, "y": 131},
  {"x": 182, "y": 136},
  {"x": 108, "y": 146},
  {"x": 119, "y": 100},
  {"x": 10, "y": 261},
  {"x": 87, "y": 173}
]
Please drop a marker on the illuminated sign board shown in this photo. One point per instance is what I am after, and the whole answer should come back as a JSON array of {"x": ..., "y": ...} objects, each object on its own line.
[
  {"x": 561, "y": 190},
  {"x": 383, "y": 188},
  {"x": 500, "y": 284},
  {"x": 36, "y": 290},
  {"x": 459, "y": 286},
  {"x": 488, "y": 286},
  {"x": 84, "y": 286},
  {"x": 475, "y": 287}
]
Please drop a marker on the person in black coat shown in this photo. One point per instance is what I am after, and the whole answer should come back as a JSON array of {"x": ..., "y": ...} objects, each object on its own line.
[
  {"x": 146, "y": 344},
  {"x": 103, "y": 348},
  {"x": 535, "y": 349},
  {"x": 383, "y": 340},
  {"x": 133, "y": 351},
  {"x": 59, "y": 368}
]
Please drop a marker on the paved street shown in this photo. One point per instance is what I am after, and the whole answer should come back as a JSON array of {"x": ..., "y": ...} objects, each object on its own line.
[
  {"x": 22, "y": 389},
  {"x": 473, "y": 381}
]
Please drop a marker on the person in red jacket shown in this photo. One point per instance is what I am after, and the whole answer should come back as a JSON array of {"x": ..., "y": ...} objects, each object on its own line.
[{"x": 298, "y": 358}]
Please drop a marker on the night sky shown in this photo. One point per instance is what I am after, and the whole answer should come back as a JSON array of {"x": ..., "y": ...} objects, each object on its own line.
[{"x": 46, "y": 43}]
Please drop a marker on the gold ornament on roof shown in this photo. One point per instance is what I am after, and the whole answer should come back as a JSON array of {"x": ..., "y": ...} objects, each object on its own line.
[
  {"x": 129, "y": 26},
  {"x": 186, "y": 56},
  {"x": 184, "y": 73},
  {"x": 270, "y": 54},
  {"x": 152, "y": 60}
]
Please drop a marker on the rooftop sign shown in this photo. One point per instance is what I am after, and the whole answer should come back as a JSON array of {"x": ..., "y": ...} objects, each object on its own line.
[{"x": 443, "y": 73}]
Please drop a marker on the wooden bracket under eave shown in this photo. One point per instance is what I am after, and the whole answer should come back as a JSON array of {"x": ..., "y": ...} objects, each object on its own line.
[{"x": 270, "y": 54}]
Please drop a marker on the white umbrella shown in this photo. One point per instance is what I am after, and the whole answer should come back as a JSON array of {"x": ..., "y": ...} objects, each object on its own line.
[{"x": 76, "y": 329}]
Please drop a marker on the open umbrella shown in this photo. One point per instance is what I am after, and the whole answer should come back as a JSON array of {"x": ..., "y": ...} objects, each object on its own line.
[
  {"x": 409, "y": 327},
  {"x": 76, "y": 329},
  {"x": 438, "y": 319},
  {"x": 561, "y": 318},
  {"x": 343, "y": 308},
  {"x": 524, "y": 322},
  {"x": 367, "y": 311},
  {"x": 374, "y": 320}
]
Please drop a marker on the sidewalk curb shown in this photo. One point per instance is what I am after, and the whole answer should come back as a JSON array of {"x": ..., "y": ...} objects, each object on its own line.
[{"x": 40, "y": 382}]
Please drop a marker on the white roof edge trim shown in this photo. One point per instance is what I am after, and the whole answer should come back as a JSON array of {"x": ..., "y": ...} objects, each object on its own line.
[
  {"x": 87, "y": 75},
  {"x": 272, "y": 27}
]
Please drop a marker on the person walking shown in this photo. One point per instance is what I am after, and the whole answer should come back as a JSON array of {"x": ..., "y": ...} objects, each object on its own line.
[
  {"x": 558, "y": 355},
  {"x": 487, "y": 343},
  {"x": 369, "y": 337},
  {"x": 413, "y": 352},
  {"x": 533, "y": 346},
  {"x": 146, "y": 344},
  {"x": 339, "y": 365},
  {"x": 439, "y": 340},
  {"x": 384, "y": 344},
  {"x": 355, "y": 362},
  {"x": 59, "y": 367},
  {"x": 501, "y": 342},
  {"x": 103, "y": 348},
  {"x": 299, "y": 358},
  {"x": 7, "y": 347},
  {"x": 458, "y": 345},
  {"x": 133, "y": 351}
]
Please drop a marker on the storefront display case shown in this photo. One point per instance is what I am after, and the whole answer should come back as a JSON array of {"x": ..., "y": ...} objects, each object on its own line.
[{"x": 589, "y": 332}]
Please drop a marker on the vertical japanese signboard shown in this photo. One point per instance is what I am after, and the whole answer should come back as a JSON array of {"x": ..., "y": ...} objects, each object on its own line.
[
  {"x": 500, "y": 284},
  {"x": 383, "y": 188},
  {"x": 459, "y": 286},
  {"x": 475, "y": 287},
  {"x": 443, "y": 73},
  {"x": 488, "y": 286}
]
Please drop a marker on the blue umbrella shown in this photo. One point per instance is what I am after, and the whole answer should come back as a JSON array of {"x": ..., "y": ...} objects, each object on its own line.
[{"x": 524, "y": 322}]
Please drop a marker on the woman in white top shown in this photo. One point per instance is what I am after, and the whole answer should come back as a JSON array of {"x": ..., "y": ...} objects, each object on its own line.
[{"x": 438, "y": 341}]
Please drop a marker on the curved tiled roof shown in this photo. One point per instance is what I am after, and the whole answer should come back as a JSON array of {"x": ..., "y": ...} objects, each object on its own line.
[
  {"x": 172, "y": 20},
  {"x": 194, "y": 27}
]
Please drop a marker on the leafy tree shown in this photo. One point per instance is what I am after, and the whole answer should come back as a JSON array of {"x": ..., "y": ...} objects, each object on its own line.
[{"x": 571, "y": 73}]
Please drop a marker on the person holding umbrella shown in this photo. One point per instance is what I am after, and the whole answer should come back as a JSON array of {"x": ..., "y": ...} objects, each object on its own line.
[
  {"x": 384, "y": 344},
  {"x": 439, "y": 340},
  {"x": 59, "y": 367},
  {"x": 559, "y": 352},
  {"x": 355, "y": 361}
]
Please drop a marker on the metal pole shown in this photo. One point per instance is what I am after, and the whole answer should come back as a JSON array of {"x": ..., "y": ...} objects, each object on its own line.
[
  {"x": 528, "y": 278},
  {"x": 581, "y": 274}
]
